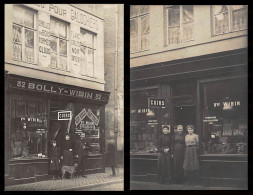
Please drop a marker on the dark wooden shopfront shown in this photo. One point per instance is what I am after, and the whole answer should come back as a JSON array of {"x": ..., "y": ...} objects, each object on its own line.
[
  {"x": 33, "y": 168},
  {"x": 179, "y": 82}
]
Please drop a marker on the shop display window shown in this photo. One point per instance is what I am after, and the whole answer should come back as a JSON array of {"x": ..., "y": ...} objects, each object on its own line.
[
  {"x": 143, "y": 122},
  {"x": 224, "y": 105},
  {"x": 28, "y": 128}
]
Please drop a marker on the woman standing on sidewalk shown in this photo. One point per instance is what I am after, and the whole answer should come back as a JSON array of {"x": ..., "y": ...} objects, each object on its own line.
[
  {"x": 178, "y": 151},
  {"x": 67, "y": 151},
  {"x": 164, "y": 158},
  {"x": 54, "y": 155},
  {"x": 191, "y": 159}
]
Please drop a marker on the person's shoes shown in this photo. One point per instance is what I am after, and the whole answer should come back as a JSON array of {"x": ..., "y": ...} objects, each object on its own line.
[{"x": 84, "y": 176}]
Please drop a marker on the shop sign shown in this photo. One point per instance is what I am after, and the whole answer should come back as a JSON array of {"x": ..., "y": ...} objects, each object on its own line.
[
  {"x": 80, "y": 116},
  {"x": 93, "y": 117},
  {"x": 227, "y": 104},
  {"x": 152, "y": 122},
  {"x": 44, "y": 39},
  {"x": 210, "y": 119},
  {"x": 64, "y": 115},
  {"x": 69, "y": 13},
  {"x": 87, "y": 125},
  {"x": 140, "y": 111},
  {"x": 156, "y": 103},
  {"x": 59, "y": 90}
]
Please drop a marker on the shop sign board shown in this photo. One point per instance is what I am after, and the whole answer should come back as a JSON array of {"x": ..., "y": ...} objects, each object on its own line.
[
  {"x": 93, "y": 117},
  {"x": 156, "y": 103},
  {"x": 37, "y": 86},
  {"x": 64, "y": 115},
  {"x": 210, "y": 119},
  {"x": 80, "y": 116}
]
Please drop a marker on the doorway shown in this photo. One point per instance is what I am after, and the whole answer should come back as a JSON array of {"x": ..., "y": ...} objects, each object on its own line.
[{"x": 185, "y": 115}]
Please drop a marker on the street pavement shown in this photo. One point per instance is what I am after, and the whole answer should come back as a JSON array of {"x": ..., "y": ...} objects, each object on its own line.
[
  {"x": 92, "y": 181},
  {"x": 136, "y": 185}
]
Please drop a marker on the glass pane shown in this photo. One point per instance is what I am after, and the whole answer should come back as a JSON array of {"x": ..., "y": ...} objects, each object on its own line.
[
  {"x": 144, "y": 9},
  {"x": 17, "y": 51},
  {"x": 63, "y": 47},
  {"x": 29, "y": 54},
  {"x": 83, "y": 59},
  {"x": 53, "y": 58},
  {"x": 62, "y": 30},
  {"x": 133, "y": 27},
  {"x": 173, "y": 35},
  {"x": 29, "y": 19},
  {"x": 239, "y": 18},
  {"x": 134, "y": 10},
  {"x": 187, "y": 31},
  {"x": 18, "y": 15},
  {"x": 87, "y": 38},
  {"x": 174, "y": 16},
  {"x": 187, "y": 13},
  {"x": 54, "y": 27},
  {"x": 134, "y": 43},
  {"x": 145, "y": 24},
  {"x": 32, "y": 109},
  {"x": 220, "y": 9},
  {"x": 53, "y": 44},
  {"x": 221, "y": 23},
  {"x": 90, "y": 62},
  {"x": 29, "y": 38},
  {"x": 17, "y": 34},
  {"x": 144, "y": 41},
  {"x": 63, "y": 63},
  {"x": 20, "y": 108}
]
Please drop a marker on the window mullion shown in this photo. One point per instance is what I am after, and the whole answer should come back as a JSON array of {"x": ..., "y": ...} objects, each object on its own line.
[{"x": 181, "y": 24}]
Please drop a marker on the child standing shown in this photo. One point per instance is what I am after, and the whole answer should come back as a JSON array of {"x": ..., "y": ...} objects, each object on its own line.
[{"x": 54, "y": 160}]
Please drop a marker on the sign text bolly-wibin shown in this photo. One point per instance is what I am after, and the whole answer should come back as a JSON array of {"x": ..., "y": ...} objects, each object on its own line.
[{"x": 60, "y": 90}]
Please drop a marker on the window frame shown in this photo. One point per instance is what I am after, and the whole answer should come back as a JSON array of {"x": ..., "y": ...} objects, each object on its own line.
[
  {"x": 230, "y": 20},
  {"x": 59, "y": 37},
  {"x": 87, "y": 47},
  {"x": 181, "y": 22},
  {"x": 23, "y": 27},
  {"x": 139, "y": 34}
]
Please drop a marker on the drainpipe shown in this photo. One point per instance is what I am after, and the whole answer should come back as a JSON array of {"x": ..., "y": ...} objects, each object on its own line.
[{"x": 116, "y": 81}]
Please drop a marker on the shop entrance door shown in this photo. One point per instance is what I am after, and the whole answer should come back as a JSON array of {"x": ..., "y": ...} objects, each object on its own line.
[{"x": 185, "y": 115}]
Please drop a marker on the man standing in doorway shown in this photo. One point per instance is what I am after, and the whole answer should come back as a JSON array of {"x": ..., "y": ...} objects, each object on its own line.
[{"x": 82, "y": 152}]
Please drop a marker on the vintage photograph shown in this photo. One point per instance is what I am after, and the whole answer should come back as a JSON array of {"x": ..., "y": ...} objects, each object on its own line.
[
  {"x": 64, "y": 97},
  {"x": 188, "y": 97}
]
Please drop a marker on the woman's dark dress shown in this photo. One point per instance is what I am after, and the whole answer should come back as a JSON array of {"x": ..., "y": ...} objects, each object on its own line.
[
  {"x": 164, "y": 164},
  {"x": 67, "y": 155},
  {"x": 55, "y": 157},
  {"x": 178, "y": 151}
]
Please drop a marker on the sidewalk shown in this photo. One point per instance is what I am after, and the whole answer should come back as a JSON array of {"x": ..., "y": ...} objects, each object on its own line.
[{"x": 92, "y": 180}]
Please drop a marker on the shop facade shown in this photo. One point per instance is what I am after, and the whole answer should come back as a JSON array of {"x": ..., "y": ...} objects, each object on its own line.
[
  {"x": 211, "y": 95},
  {"x": 54, "y": 84}
]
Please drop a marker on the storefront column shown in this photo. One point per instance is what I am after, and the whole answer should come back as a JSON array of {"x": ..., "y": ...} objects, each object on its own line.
[{"x": 102, "y": 137}]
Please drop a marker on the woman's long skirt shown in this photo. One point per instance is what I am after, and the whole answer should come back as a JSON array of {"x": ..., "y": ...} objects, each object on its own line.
[
  {"x": 67, "y": 158},
  {"x": 164, "y": 165},
  {"x": 55, "y": 165},
  {"x": 191, "y": 159},
  {"x": 178, "y": 161}
]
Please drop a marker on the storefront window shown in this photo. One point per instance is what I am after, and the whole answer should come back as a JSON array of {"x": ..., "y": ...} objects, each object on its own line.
[
  {"x": 225, "y": 129},
  {"x": 28, "y": 128},
  {"x": 88, "y": 48},
  {"x": 59, "y": 44},
  {"x": 143, "y": 122},
  {"x": 24, "y": 34}
]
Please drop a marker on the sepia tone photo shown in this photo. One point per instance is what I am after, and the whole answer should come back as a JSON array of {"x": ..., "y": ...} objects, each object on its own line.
[
  {"x": 64, "y": 97},
  {"x": 188, "y": 97}
]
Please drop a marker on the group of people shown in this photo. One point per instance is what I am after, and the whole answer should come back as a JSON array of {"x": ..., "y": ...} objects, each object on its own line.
[
  {"x": 178, "y": 155},
  {"x": 64, "y": 156},
  {"x": 77, "y": 152}
]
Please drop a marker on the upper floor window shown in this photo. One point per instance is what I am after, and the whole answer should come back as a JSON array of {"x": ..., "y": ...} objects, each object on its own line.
[
  {"x": 180, "y": 23},
  {"x": 229, "y": 18},
  {"x": 59, "y": 44},
  {"x": 24, "y": 33},
  {"x": 88, "y": 48},
  {"x": 139, "y": 28}
]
